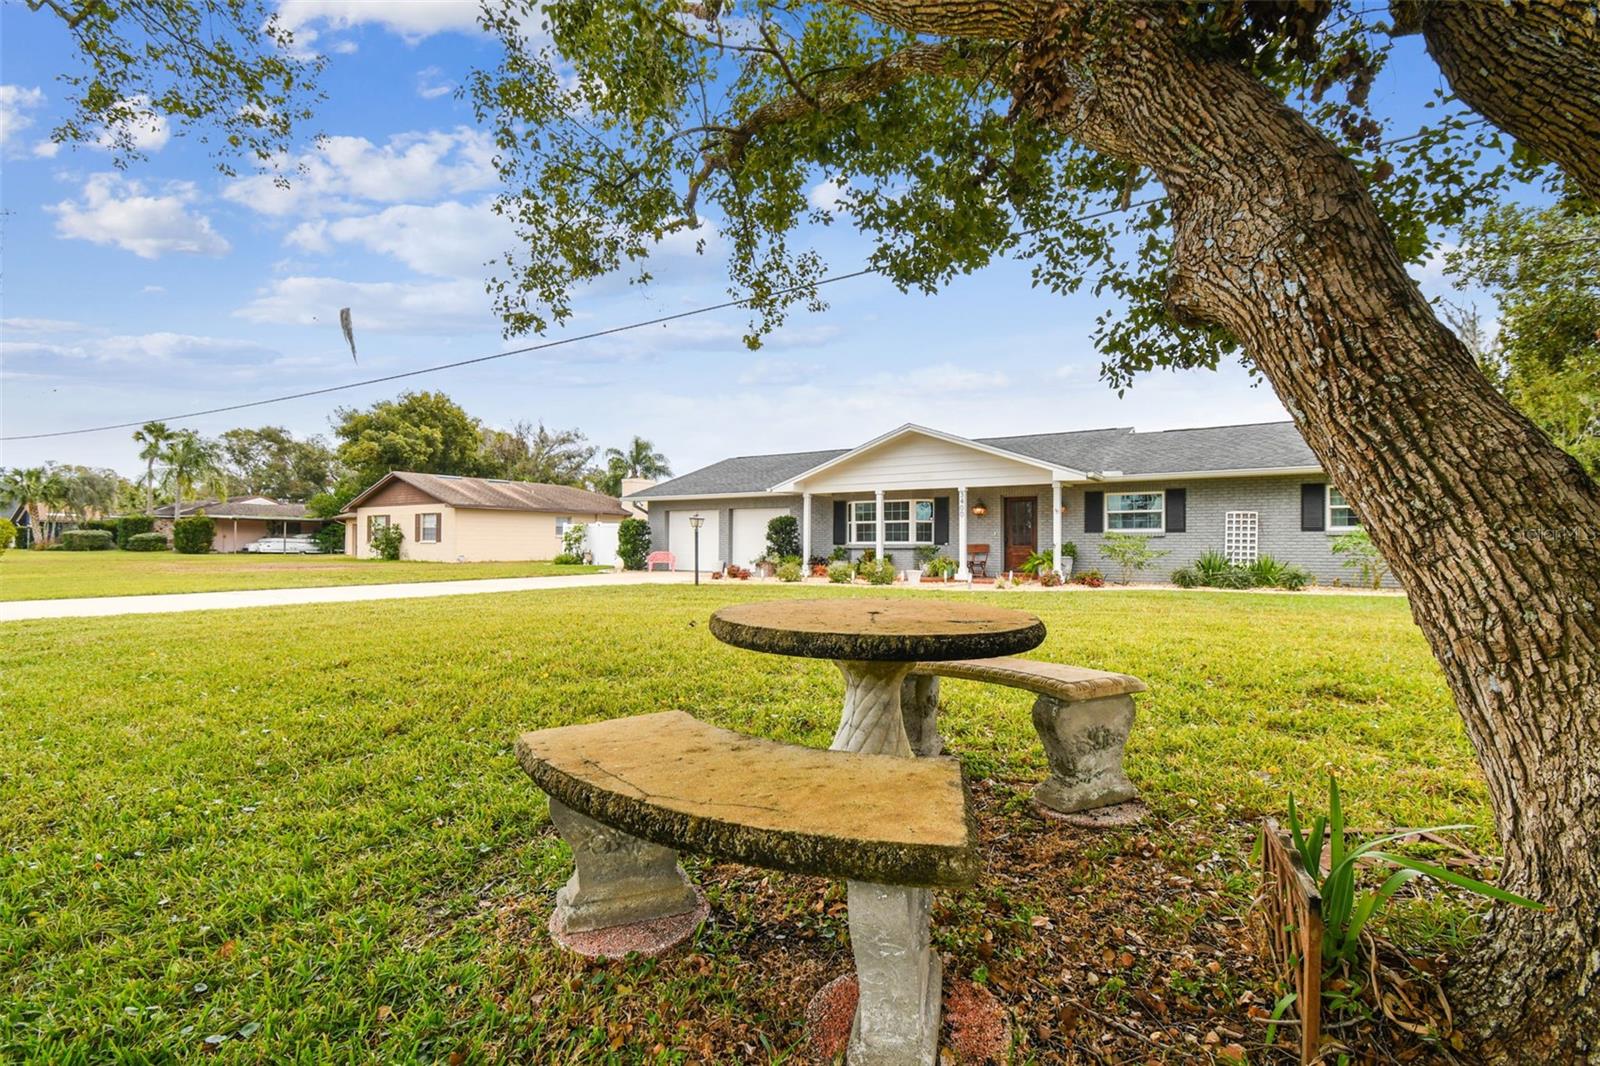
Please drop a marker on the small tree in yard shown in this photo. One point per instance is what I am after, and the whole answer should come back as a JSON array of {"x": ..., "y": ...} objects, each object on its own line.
[
  {"x": 1362, "y": 556},
  {"x": 8, "y": 534},
  {"x": 783, "y": 537},
  {"x": 633, "y": 542},
  {"x": 1130, "y": 551},
  {"x": 386, "y": 541}
]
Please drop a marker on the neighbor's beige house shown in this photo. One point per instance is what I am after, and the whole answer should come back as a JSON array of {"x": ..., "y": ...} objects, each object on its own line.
[
  {"x": 243, "y": 520},
  {"x": 471, "y": 519}
]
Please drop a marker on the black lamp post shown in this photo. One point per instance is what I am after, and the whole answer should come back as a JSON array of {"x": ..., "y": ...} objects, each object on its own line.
[{"x": 696, "y": 521}]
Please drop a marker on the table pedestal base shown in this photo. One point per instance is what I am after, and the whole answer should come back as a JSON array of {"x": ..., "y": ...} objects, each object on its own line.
[{"x": 872, "y": 721}]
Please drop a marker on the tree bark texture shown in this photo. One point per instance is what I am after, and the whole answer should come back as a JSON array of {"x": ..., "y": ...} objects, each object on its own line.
[
  {"x": 1532, "y": 67},
  {"x": 1493, "y": 531}
]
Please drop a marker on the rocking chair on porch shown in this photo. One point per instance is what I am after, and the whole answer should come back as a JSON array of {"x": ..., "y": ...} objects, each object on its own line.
[{"x": 978, "y": 560}]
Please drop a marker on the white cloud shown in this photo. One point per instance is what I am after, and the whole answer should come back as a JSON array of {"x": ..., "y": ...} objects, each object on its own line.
[
  {"x": 146, "y": 131},
  {"x": 827, "y": 195},
  {"x": 446, "y": 240},
  {"x": 16, "y": 102},
  {"x": 770, "y": 373},
  {"x": 153, "y": 290},
  {"x": 344, "y": 48},
  {"x": 411, "y": 19},
  {"x": 344, "y": 172},
  {"x": 146, "y": 350},
  {"x": 46, "y": 149},
  {"x": 120, "y": 212},
  {"x": 41, "y": 325},
  {"x": 381, "y": 306},
  {"x": 432, "y": 84}
]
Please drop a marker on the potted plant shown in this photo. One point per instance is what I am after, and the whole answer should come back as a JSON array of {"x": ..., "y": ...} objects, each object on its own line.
[{"x": 764, "y": 566}]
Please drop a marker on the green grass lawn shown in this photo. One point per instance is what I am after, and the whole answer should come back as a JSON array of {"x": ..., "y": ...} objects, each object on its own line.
[
  {"x": 301, "y": 832},
  {"x": 56, "y": 575}
]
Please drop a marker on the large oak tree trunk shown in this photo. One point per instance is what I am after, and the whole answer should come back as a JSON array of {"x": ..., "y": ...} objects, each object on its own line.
[
  {"x": 1532, "y": 67},
  {"x": 1492, "y": 530}
]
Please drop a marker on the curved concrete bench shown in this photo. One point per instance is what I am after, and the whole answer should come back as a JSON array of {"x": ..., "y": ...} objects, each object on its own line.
[
  {"x": 629, "y": 793},
  {"x": 1083, "y": 717}
]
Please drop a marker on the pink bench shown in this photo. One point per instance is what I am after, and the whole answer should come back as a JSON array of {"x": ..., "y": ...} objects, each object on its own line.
[{"x": 655, "y": 559}]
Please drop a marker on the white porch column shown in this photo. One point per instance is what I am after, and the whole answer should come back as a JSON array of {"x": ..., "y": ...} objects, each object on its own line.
[
  {"x": 877, "y": 511},
  {"x": 805, "y": 533},
  {"x": 962, "y": 573},
  {"x": 1055, "y": 525}
]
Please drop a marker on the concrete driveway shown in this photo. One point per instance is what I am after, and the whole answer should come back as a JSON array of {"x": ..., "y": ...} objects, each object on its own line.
[{"x": 173, "y": 602}]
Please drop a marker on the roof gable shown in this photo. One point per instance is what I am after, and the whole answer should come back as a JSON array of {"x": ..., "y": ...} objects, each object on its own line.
[
  {"x": 1111, "y": 453},
  {"x": 908, "y": 456}
]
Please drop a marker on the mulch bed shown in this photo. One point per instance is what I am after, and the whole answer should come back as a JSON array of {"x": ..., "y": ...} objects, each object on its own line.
[{"x": 1108, "y": 946}]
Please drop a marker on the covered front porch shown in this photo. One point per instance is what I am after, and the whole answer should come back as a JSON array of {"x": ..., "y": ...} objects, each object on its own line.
[{"x": 916, "y": 489}]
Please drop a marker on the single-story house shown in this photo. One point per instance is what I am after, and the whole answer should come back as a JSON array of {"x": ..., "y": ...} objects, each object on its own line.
[
  {"x": 1245, "y": 490},
  {"x": 243, "y": 520},
  {"x": 446, "y": 518},
  {"x": 55, "y": 522}
]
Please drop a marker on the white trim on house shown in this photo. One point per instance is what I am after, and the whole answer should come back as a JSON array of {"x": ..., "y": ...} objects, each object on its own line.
[
  {"x": 1110, "y": 476},
  {"x": 763, "y": 494},
  {"x": 1344, "y": 505},
  {"x": 1162, "y": 511},
  {"x": 1052, "y": 472},
  {"x": 854, "y": 524}
]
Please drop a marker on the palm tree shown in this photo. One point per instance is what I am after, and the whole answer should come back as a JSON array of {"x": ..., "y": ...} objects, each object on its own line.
[
  {"x": 192, "y": 460},
  {"x": 154, "y": 437},
  {"x": 641, "y": 460},
  {"x": 37, "y": 489}
]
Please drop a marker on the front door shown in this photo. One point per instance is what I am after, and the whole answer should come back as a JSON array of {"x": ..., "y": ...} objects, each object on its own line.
[{"x": 1022, "y": 530}]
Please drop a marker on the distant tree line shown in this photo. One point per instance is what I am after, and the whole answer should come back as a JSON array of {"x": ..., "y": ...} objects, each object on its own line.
[{"x": 423, "y": 431}]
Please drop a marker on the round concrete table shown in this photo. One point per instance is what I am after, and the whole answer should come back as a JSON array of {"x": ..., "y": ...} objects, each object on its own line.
[{"x": 874, "y": 644}]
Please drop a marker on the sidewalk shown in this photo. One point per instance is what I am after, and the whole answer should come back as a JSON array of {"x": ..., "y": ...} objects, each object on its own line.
[{"x": 169, "y": 603}]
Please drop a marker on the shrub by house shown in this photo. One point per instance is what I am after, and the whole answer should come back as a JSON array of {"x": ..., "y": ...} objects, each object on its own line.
[{"x": 193, "y": 535}]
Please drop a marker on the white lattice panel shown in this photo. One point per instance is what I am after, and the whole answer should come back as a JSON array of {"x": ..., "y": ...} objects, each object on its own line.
[{"x": 1241, "y": 536}]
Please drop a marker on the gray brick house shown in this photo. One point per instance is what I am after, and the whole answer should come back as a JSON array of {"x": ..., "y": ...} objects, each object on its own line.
[{"x": 1244, "y": 490}]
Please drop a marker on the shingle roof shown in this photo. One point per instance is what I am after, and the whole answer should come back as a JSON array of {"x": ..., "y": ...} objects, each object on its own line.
[
  {"x": 1212, "y": 449},
  {"x": 745, "y": 473},
  {"x": 500, "y": 495},
  {"x": 239, "y": 507}
]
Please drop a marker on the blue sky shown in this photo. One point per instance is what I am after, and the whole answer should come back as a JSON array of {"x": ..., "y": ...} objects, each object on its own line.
[{"x": 167, "y": 287}]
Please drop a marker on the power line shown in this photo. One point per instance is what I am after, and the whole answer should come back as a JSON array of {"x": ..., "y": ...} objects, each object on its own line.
[{"x": 543, "y": 345}]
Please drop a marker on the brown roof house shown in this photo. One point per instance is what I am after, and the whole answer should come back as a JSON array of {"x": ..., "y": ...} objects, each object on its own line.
[
  {"x": 242, "y": 520},
  {"x": 453, "y": 519}
]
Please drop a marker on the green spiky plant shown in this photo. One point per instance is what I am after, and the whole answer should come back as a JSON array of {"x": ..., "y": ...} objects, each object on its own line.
[{"x": 1343, "y": 915}]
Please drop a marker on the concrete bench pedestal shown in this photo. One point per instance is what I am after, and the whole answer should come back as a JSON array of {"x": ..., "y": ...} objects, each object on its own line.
[
  {"x": 617, "y": 879},
  {"x": 1083, "y": 718},
  {"x": 898, "y": 976},
  {"x": 628, "y": 794}
]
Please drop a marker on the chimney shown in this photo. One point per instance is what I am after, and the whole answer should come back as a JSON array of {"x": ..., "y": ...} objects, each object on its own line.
[{"x": 636, "y": 484}]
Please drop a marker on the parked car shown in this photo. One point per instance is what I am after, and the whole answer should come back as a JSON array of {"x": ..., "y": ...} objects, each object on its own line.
[{"x": 295, "y": 544}]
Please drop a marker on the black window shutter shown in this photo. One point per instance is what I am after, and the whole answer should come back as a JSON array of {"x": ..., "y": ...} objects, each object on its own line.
[
  {"x": 840, "y": 534},
  {"x": 1094, "y": 512},
  {"x": 1177, "y": 510},
  {"x": 941, "y": 520},
  {"x": 1313, "y": 508}
]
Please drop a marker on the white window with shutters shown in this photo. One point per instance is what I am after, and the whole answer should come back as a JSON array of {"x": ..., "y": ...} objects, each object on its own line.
[{"x": 1241, "y": 539}]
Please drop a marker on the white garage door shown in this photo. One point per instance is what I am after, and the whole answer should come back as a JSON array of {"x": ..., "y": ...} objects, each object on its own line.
[
  {"x": 750, "y": 532},
  {"x": 680, "y": 539}
]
